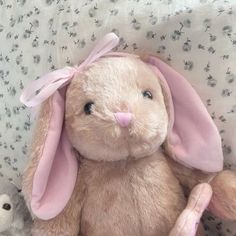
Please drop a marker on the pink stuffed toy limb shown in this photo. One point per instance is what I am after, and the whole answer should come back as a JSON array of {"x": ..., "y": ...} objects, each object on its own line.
[{"x": 188, "y": 221}]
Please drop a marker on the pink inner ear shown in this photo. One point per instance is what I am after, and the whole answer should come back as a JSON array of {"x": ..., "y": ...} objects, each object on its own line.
[
  {"x": 193, "y": 137},
  {"x": 56, "y": 174}
]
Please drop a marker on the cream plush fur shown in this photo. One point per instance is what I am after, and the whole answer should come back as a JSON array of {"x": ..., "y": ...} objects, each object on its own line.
[
  {"x": 126, "y": 185},
  {"x": 107, "y": 141}
]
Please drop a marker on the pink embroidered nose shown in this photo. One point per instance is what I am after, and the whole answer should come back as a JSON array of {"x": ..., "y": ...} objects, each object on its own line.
[{"x": 123, "y": 118}]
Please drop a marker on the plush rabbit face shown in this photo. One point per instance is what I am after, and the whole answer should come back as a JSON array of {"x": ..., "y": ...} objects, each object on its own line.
[{"x": 115, "y": 110}]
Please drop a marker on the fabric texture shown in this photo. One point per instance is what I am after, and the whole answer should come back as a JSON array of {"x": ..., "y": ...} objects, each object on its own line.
[{"x": 196, "y": 37}]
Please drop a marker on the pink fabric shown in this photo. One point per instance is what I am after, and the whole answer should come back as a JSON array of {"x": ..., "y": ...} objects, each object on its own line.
[
  {"x": 123, "y": 118},
  {"x": 188, "y": 221},
  {"x": 46, "y": 85},
  {"x": 193, "y": 137},
  {"x": 39, "y": 90},
  {"x": 56, "y": 173}
]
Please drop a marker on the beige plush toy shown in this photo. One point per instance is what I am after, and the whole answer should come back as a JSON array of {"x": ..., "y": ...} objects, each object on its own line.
[{"x": 141, "y": 140}]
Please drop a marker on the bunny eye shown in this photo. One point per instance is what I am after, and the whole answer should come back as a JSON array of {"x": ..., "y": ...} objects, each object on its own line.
[
  {"x": 88, "y": 108},
  {"x": 147, "y": 94}
]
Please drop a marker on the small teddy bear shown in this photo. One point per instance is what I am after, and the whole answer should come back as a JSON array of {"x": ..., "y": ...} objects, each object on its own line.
[{"x": 15, "y": 219}]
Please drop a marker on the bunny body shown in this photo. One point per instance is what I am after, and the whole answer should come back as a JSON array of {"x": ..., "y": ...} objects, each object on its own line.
[
  {"x": 130, "y": 197},
  {"x": 125, "y": 184}
]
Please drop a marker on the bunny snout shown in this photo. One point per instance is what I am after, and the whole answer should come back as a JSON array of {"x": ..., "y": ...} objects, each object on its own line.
[{"x": 123, "y": 118}]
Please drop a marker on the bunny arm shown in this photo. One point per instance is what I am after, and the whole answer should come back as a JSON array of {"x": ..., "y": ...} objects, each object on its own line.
[
  {"x": 188, "y": 222},
  {"x": 223, "y": 184}
]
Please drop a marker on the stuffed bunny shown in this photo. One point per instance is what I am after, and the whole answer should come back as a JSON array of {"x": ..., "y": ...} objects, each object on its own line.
[
  {"x": 15, "y": 218},
  {"x": 120, "y": 141}
]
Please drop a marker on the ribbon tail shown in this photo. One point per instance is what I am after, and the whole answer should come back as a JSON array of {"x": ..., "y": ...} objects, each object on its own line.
[
  {"x": 39, "y": 90},
  {"x": 105, "y": 45}
]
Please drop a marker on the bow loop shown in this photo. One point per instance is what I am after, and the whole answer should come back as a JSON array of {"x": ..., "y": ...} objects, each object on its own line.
[{"x": 39, "y": 90}]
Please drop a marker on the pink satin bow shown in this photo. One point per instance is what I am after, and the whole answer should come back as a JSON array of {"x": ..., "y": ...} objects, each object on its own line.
[{"x": 39, "y": 90}]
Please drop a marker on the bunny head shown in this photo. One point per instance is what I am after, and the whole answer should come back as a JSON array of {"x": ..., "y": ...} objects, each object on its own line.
[
  {"x": 115, "y": 106},
  {"x": 115, "y": 110}
]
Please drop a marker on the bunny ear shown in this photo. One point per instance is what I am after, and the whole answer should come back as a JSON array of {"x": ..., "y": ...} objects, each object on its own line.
[
  {"x": 193, "y": 138},
  {"x": 56, "y": 173}
]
